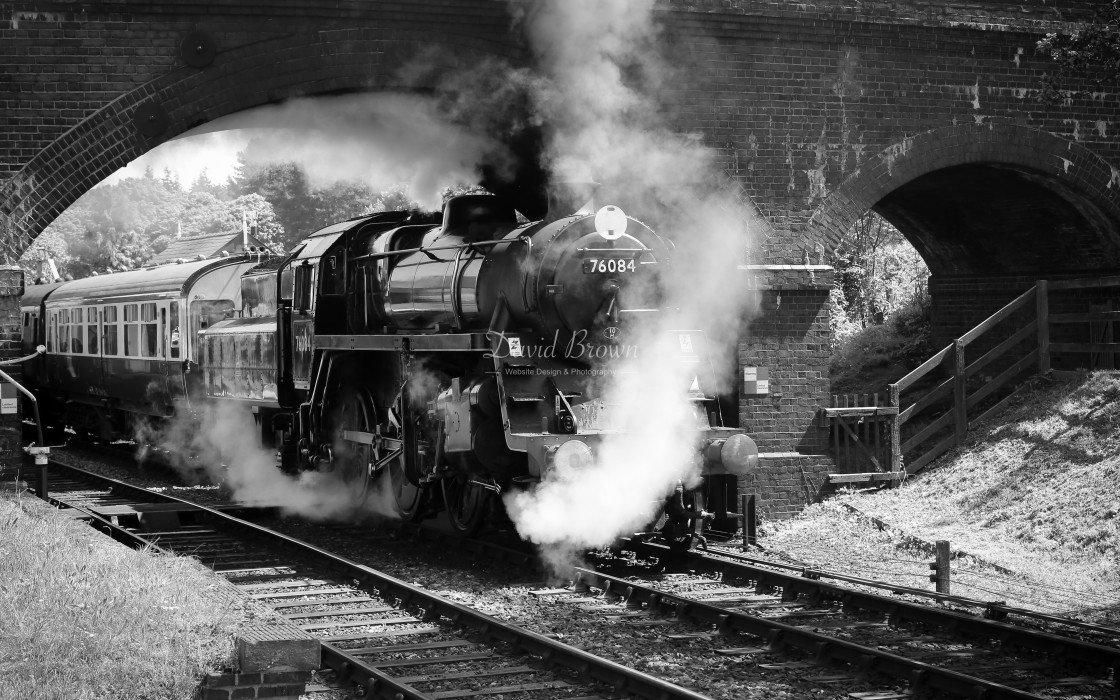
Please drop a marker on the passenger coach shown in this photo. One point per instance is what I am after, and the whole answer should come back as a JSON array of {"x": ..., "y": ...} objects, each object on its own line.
[{"x": 136, "y": 330}]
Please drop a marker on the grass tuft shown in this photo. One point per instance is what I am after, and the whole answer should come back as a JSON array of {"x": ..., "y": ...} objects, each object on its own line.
[{"x": 84, "y": 617}]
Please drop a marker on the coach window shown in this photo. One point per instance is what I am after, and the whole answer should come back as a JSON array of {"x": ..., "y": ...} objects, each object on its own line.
[
  {"x": 149, "y": 331},
  {"x": 52, "y": 331},
  {"x": 109, "y": 336},
  {"x": 64, "y": 330},
  {"x": 131, "y": 330},
  {"x": 77, "y": 331},
  {"x": 91, "y": 329},
  {"x": 175, "y": 329}
]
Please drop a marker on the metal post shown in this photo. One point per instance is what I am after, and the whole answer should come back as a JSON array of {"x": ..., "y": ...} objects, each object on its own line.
[
  {"x": 940, "y": 567},
  {"x": 750, "y": 521},
  {"x": 39, "y": 449}
]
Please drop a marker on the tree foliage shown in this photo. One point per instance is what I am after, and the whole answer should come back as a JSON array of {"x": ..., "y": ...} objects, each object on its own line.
[
  {"x": 878, "y": 272},
  {"x": 1089, "y": 54},
  {"x": 302, "y": 207},
  {"x": 122, "y": 225},
  {"x": 880, "y": 306}
]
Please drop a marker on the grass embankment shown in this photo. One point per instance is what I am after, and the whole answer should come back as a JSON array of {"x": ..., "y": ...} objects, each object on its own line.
[
  {"x": 84, "y": 617},
  {"x": 1035, "y": 491}
]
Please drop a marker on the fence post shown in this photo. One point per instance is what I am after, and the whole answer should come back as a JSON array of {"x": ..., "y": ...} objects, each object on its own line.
[
  {"x": 895, "y": 439},
  {"x": 834, "y": 428},
  {"x": 1042, "y": 316},
  {"x": 940, "y": 567},
  {"x": 960, "y": 403}
]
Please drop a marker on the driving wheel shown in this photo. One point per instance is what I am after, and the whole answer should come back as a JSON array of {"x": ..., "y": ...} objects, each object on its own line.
[{"x": 467, "y": 504}]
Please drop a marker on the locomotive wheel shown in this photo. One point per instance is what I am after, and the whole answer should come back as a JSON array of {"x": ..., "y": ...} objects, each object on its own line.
[
  {"x": 354, "y": 412},
  {"x": 408, "y": 496},
  {"x": 467, "y": 504}
]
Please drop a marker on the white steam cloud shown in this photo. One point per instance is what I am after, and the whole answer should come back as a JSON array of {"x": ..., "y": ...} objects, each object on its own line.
[
  {"x": 218, "y": 439},
  {"x": 381, "y": 139},
  {"x": 603, "y": 73}
]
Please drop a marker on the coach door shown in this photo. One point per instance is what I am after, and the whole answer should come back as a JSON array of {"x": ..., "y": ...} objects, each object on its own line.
[{"x": 169, "y": 331}]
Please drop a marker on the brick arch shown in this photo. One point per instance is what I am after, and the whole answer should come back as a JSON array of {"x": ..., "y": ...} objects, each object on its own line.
[
  {"x": 323, "y": 62},
  {"x": 1071, "y": 179}
]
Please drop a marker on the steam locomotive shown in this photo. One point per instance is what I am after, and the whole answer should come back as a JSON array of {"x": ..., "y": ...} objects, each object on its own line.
[{"x": 432, "y": 350}]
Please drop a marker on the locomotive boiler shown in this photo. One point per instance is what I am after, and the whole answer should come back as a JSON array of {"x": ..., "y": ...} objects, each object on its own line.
[{"x": 451, "y": 356}]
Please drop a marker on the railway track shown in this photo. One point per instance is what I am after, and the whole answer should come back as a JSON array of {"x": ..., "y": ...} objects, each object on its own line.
[
  {"x": 394, "y": 639},
  {"x": 808, "y": 624},
  {"x": 930, "y": 648}
]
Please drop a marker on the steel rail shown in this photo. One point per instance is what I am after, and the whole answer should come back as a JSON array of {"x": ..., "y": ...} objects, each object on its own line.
[
  {"x": 622, "y": 679},
  {"x": 991, "y": 607},
  {"x": 822, "y": 647},
  {"x": 959, "y": 623}
]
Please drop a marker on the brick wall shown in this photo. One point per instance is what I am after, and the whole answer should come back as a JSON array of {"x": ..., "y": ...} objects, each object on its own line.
[
  {"x": 785, "y": 483},
  {"x": 11, "y": 429},
  {"x": 789, "y": 339}
]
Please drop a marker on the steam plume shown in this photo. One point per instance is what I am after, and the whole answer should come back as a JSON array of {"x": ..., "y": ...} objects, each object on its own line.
[
  {"x": 604, "y": 78},
  {"x": 382, "y": 140},
  {"x": 219, "y": 442}
]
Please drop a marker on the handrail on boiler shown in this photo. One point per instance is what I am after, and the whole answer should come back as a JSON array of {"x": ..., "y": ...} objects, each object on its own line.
[{"x": 461, "y": 246}]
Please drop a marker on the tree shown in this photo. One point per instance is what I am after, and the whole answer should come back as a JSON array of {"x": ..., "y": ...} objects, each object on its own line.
[
  {"x": 50, "y": 245},
  {"x": 878, "y": 270},
  {"x": 285, "y": 187},
  {"x": 203, "y": 183},
  {"x": 111, "y": 227},
  {"x": 302, "y": 208},
  {"x": 103, "y": 249},
  {"x": 205, "y": 214},
  {"x": 1091, "y": 53}
]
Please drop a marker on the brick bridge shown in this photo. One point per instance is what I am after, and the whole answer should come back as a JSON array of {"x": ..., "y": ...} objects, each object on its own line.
[{"x": 821, "y": 110}]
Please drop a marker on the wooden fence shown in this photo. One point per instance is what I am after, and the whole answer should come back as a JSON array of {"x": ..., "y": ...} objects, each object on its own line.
[{"x": 930, "y": 410}]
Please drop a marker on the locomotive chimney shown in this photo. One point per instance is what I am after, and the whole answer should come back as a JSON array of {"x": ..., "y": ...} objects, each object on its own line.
[
  {"x": 473, "y": 216},
  {"x": 571, "y": 197}
]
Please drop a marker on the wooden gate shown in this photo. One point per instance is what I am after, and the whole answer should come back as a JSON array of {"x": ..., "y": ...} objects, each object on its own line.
[{"x": 860, "y": 427}]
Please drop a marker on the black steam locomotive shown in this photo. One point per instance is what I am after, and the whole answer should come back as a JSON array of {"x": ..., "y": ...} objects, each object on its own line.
[{"x": 456, "y": 355}]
